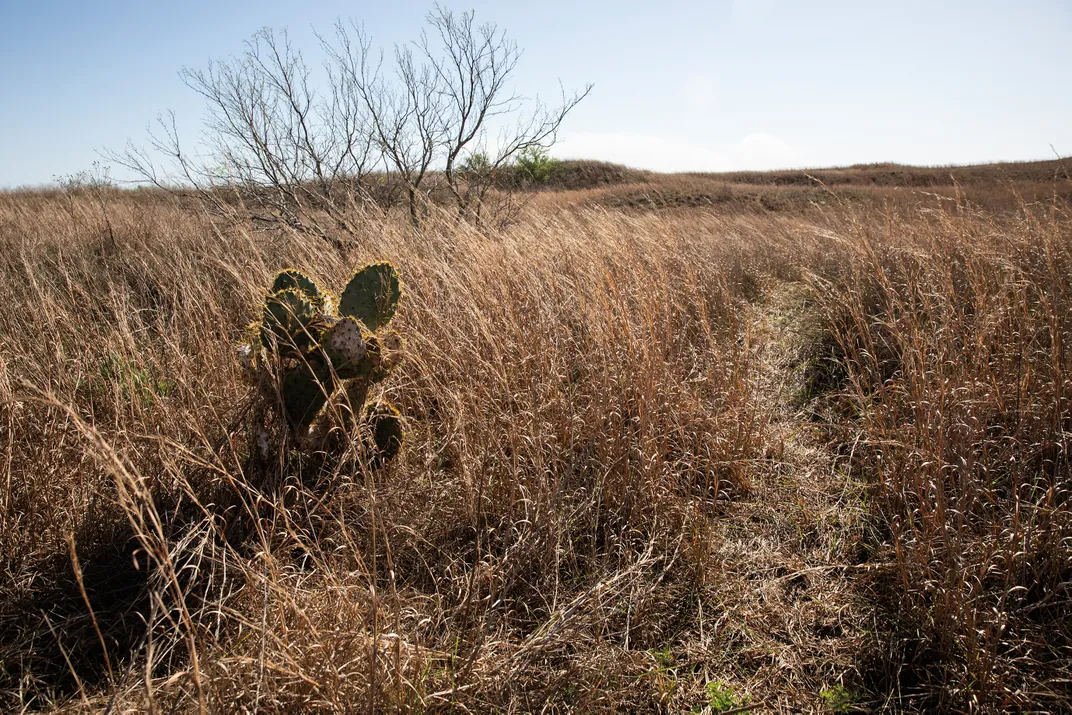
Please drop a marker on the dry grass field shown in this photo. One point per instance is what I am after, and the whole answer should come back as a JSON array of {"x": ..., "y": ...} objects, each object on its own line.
[{"x": 685, "y": 443}]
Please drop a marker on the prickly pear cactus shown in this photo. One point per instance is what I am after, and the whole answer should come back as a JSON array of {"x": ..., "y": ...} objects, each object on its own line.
[{"x": 314, "y": 364}]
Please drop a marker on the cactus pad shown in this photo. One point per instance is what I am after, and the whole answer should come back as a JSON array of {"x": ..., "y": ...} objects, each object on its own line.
[
  {"x": 345, "y": 339},
  {"x": 286, "y": 314},
  {"x": 305, "y": 389},
  {"x": 293, "y": 279},
  {"x": 385, "y": 424},
  {"x": 372, "y": 295},
  {"x": 351, "y": 353}
]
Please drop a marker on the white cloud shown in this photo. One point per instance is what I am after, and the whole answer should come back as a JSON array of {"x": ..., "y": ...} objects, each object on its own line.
[
  {"x": 763, "y": 151},
  {"x": 642, "y": 151}
]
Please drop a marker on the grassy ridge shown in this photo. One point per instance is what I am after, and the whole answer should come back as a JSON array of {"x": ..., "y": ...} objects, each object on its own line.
[
  {"x": 996, "y": 188},
  {"x": 901, "y": 175}
]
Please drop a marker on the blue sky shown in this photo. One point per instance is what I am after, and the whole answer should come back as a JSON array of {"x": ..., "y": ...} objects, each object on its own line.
[{"x": 718, "y": 85}]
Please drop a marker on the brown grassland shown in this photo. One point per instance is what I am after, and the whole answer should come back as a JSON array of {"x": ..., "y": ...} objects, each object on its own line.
[{"x": 685, "y": 443}]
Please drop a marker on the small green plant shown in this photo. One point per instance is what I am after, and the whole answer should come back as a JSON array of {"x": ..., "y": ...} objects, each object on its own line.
[
  {"x": 134, "y": 382},
  {"x": 535, "y": 165},
  {"x": 664, "y": 656},
  {"x": 314, "y": 358},
  {"x": 837, "y": 699},
  {"x": 663, "y": 677},
  {"x": 722, "y": 698}
]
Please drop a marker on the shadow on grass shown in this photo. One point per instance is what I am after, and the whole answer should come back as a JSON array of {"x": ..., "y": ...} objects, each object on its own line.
[{"x": 63, "y": 634}]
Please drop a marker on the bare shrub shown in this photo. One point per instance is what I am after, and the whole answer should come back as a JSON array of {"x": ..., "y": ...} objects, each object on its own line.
[{"x": 284, "y": 147}]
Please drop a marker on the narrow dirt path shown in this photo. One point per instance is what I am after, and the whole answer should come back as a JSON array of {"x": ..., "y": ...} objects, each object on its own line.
[{"x": 793, "y": 628}]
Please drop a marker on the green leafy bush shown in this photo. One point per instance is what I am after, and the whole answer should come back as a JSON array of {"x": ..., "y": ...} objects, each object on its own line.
[
  {"x": 535, "y": 165},
  {"x": 476, "y": 163}
]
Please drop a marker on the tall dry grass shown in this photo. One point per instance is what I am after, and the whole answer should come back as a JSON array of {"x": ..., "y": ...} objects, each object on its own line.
[
  {"x": 573, "y": 519},
  {"x": 951, "y": 333},
  {"x": 578, "y": 397}
]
